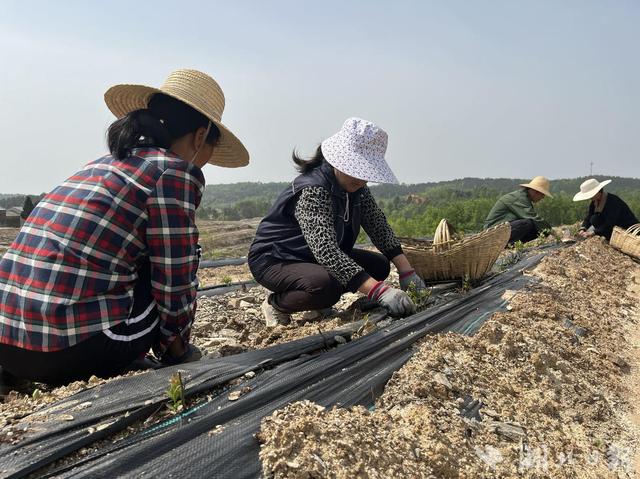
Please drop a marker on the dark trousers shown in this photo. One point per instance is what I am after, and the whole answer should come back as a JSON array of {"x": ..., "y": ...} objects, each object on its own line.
[
  {"x": 104, "y": 354},
  {"x": 299, "y": 286},
  {"x": 523, "y": 230}
]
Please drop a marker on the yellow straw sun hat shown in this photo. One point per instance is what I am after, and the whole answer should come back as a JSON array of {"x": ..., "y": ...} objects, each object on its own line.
[
  {"x": 197, "y": 90},
  {"x": 540, "y": 184}
]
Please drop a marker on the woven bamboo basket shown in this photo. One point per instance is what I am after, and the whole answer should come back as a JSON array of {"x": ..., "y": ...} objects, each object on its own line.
[
  {"x": 450, "y": 257},
  {"x": 627, "y": 241}
]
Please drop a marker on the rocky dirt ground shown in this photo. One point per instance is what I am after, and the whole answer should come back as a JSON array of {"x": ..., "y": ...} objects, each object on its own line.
[
  {"x": 223, "y": 274},
  {"x": 555, "y": 379},
  {"x": 233, "y": 322}
]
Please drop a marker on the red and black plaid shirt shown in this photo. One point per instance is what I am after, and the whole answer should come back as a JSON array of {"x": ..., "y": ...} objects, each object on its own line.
[{"x": 71, "y": 271}]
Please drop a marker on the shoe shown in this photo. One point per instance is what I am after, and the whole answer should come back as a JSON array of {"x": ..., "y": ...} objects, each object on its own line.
[{"x": 272, "y": 316}]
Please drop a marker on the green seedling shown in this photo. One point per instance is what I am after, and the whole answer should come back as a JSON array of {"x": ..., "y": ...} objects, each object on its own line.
[
  {"x": 518, "y": 246},
  {"x": 466, "y": 283},
  {"x": 574, "y": 229},
  {"x": 419, "y": 298},
  {"x": 511, "y": 258},
  {"x": 226, "y": 280},
  {"x": 176, "y": 393}
]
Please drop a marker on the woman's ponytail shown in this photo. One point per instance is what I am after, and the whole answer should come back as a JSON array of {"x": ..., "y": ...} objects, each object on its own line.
[
  {"x": 138, "y": 128},
  {"x": 305, "y": 166}
]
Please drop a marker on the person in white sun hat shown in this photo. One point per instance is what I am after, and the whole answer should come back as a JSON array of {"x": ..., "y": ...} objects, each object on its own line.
[
  {"x": 605, "y": 210},
  {"x": 105, "y": 265},
  {"x": 304, "y": 248},
  {"x": 517, "y": 209}
]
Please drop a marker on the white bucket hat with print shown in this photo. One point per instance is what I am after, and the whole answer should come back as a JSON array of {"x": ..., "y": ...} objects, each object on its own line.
[
  {"x": 589, "y": 189},
  {"x": 358, "y": 150}
]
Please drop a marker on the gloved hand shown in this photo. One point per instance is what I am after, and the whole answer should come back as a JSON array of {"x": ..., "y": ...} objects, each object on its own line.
[
  {"x": 397, "y": 302},
  {"x": 409, "y": 277}
]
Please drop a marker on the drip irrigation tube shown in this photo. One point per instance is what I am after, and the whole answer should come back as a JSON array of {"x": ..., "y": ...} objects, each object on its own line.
[
  {"x": 225, "y": 288},
  {"x": 217, "y": 263}
]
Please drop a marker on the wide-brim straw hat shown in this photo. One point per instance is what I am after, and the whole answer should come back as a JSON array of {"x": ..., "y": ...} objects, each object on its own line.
[
  {"x": 540, "y": 184},
  {"x": 358, "y": 150},
  {"x": 589, "y": 189},
  {"x": 197, "y": 90}
]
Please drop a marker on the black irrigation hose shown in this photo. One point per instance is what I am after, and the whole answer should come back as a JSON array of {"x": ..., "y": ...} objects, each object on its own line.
[
  {"x": 217, "y": 263},
  {"x": 220, "y": 289}
]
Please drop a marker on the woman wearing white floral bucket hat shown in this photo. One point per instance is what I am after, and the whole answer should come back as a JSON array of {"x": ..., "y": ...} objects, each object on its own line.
[
  {"x": 303, "y": 251},
  {"x": 605, "y": 211}
]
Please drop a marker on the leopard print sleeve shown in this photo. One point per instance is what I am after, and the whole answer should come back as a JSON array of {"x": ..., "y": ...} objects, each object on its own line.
[
  {"x": 375, "y": 224},
  {"x": 314, "y": 212}
]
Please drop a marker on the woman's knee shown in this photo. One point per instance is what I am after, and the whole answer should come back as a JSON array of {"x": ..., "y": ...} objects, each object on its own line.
[
  {"x": 321, "y": 301},
  {"x": 318, "y": 295},
  {"x": 324, "y": 291},
  {"x": 380, "y": 271}
]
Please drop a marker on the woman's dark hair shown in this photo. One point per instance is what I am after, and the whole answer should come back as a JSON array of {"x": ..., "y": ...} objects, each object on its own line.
[
  {"x": 305, "y": 166},
  {"x": 164, "y": 120}
]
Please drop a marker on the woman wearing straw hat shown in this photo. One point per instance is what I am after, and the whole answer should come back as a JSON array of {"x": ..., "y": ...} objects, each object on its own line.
[
  {"x": 605, "y": 210},
  {"x": 105, "y": 266},
  {"x": 517, "y": 209},
  {"x": 303, "y": 251}
]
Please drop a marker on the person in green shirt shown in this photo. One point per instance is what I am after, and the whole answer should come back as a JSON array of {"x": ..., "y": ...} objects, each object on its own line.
[{"x": 517, "y": 209}]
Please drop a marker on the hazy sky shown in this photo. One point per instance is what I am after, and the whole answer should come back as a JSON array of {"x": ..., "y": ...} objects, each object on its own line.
[{"x": 464, "y": 88}]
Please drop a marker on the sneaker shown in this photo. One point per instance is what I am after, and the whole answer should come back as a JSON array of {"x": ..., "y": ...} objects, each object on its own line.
[{"x": 272, "y": 316}]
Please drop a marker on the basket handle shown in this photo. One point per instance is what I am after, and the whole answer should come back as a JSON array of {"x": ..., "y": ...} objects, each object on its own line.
[
  {"x": 442, "y": 235},
  {"x": 634, "y": 229}
]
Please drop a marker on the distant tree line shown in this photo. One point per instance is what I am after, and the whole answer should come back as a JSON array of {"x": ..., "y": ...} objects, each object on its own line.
[
  {"x": 415, "y": 210},
  {"x": 251, "y": 208},
  {"x": 412, "y": 210},
  {"x": 468, "y": 214}
]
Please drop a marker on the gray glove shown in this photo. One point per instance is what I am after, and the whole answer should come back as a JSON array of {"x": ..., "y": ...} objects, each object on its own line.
[
  {"x": 396, "y": 301},
  {"x": 409, "y": 277}
]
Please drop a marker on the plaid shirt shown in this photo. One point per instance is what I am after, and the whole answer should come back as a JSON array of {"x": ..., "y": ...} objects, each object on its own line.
[{"x": 71, "y": 271}]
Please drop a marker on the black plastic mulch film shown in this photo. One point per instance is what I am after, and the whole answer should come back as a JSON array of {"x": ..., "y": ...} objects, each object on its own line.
[{"x": 190, "y": 444}]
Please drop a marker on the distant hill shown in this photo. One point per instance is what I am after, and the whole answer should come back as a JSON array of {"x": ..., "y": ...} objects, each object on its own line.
[
  {"x": 409, "y": 207},
  {"x": 222, "y": 195},
  {"x": 412, "y": 207},
  {"x": 501, "y": 185}
]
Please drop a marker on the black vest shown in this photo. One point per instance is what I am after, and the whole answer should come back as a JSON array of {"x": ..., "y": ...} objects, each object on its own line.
[{"x": 279, "y": 237}]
